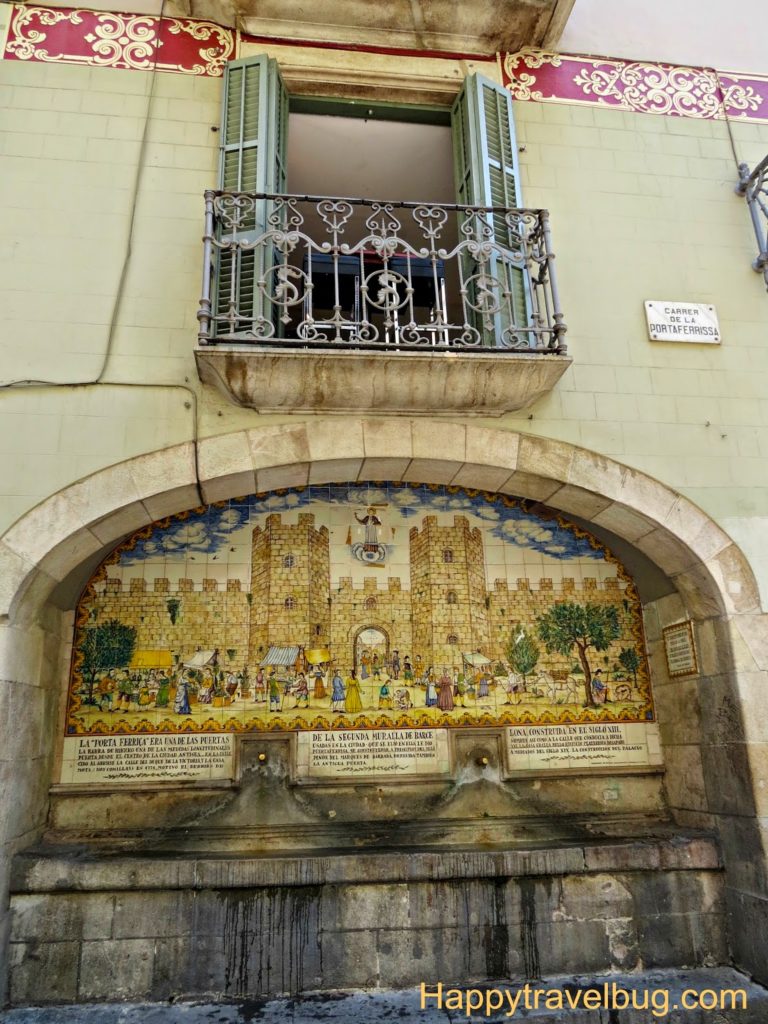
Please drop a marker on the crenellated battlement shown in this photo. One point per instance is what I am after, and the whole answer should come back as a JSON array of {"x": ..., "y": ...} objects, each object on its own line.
[
  {"x": 162, "y": 585},
  {"x": 587, "y": 586}
]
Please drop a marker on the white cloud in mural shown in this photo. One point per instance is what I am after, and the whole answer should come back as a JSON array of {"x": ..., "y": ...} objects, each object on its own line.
[
  {"x": 373, "y": 496},
  {"x": 231, "y": 518},
  {"x": 279, "y": 502},
  {"x": 463, "y": 503},
  {"x": 523, "y": 532}
]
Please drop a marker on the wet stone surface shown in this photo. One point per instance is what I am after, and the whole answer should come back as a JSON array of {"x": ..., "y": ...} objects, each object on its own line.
[{"x": 405, "y": 1006}]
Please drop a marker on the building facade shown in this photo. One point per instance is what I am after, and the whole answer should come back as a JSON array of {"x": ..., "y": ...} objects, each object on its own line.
[{"x": 516, "y": 267}]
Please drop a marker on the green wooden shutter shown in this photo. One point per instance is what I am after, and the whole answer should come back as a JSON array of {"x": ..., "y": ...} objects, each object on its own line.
[
  {"x": 487, "y": 174},
  {"x": 254, "y": 127}
]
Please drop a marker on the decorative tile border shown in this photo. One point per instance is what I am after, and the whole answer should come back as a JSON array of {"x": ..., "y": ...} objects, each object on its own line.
[
  {"x": 186, "y": 46},
  {"x": 635, "y": 86},
  {"x": 100, "y": 39}
]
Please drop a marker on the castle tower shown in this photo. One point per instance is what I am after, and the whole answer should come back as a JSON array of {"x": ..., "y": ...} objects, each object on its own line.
[
  {"x": 448, "y": 592},
  {"x": 290, "y": 583}
]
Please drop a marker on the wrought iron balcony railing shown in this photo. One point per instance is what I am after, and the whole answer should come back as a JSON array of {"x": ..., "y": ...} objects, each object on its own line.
[
  {"x": 754, "y": 187},
  {"x": 310, "y": 271}
]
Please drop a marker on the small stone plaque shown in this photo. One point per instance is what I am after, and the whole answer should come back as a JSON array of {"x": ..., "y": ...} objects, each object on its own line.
[
  {"x": 680, "y": 650},
  {"x": 128, "y": 759},
  {"x": 548, "y": 747},
  {"x": 682, "y": 321},
  {"x": 389, "y": 752}
]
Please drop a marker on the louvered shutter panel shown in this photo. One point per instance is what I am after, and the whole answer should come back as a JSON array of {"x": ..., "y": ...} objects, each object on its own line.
[
  {"x": 487, "y": 174},
  {"x": 253, "y": 141}
]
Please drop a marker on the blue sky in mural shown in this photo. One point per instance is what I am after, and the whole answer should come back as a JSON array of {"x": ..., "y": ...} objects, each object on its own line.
[{"x": 211, "y": 531}]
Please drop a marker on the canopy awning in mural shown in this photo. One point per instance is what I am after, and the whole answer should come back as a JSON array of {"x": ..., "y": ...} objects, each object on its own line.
[
  {"x": 475, "y": 659},
  {"x": 200, "y": 659},
  {"x": 317, "y": 655},
  {"x": 151, "y": 659},
  {"x": 280, "y": 656}
]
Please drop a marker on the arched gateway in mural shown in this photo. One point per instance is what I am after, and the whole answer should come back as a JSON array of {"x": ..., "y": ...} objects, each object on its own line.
[{"x": 235, "y": 617}]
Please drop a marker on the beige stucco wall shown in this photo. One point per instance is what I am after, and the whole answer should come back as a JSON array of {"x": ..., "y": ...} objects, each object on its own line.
[
  {"x": 685, "y": 32},
  {"x": 642, "y": 207}
]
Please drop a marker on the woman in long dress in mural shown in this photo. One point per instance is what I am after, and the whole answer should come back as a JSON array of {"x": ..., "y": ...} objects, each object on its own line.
[
  {"x": 319, "y": 689},
  {"x": 353, "y": 704},
  {"x": 431, "y": 701},
  {"x": 181, "y": 701},
  {"x": 445, "y": 696}
]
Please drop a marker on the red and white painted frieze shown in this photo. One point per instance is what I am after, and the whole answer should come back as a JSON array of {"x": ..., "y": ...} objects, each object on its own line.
[
  {"x": 110, "y": 40},
  {"x": 637, "y": 86},
  {"x": 187, "y": 46}
]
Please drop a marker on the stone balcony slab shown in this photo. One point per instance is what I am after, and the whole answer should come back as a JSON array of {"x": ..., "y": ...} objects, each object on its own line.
[{"x": 415, "y": 383}]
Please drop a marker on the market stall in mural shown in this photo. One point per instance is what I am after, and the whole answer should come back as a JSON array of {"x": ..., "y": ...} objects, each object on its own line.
[{"x": 357, "y": 607}]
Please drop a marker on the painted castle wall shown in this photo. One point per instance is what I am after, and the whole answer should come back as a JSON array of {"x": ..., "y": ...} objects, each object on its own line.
[{"x": 448, "y": 610}]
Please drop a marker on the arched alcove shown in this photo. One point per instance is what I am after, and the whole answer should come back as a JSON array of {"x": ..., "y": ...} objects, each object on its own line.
[{"x": 714, "y": 744}]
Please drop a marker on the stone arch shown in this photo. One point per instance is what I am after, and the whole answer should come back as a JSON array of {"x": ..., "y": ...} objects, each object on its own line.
[
  {"x": 714, "y": 582},
  {"x": 356, "y": 632},
  {"x": 64, "y": 530}
]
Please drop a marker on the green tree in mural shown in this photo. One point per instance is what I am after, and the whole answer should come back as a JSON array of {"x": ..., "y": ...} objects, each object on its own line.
[
  {"x": 523, "y": 653},
  {"x": 582, "y": 626},
  {"x": 110, "y": 645},
  {"x": 630, "y": 660}
]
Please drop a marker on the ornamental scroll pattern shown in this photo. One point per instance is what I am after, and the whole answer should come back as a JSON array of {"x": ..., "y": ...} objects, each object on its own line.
[
  {"x": 635, "y": 86},
  {"x": 125, "y": 41}
]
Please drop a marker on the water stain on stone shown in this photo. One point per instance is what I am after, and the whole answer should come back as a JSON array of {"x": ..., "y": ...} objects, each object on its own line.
[
  {"x": 528, "y": 940},
  {"x": 269, "y": 936}
]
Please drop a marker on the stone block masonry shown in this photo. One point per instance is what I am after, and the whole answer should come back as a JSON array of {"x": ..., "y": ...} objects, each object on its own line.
[{"x": 505, "y": 915}]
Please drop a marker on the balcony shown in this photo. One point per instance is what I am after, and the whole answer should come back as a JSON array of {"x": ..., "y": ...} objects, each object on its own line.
[{"x": 327, "y": 304}]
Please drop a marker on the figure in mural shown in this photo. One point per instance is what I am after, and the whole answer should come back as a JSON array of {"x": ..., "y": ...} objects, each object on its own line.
[
  {"x": 460, "y": 691},
  {"x": 338, "y": 695},
  {"x": 353, "y": 704},
  {"x": 599, "y": 688},
  {"x": 371, "y": 550},
  {"x": 407, "y": 670},
  {"x": 259, "y": 687},
  {"x": 207, "y": 690},
  {"x": 302, "y": 691},
  {"x": 274, "y": 692},
  {"x": 319, "y": 689},
  {"x": 395, "y": 664},
  {"x": 403, "y": 700},
  {"x": 231, "y": 686},
  {"x": 385, "y": 700},
  {"x": 512, "y": 688},
  {"x": 181, "y": 701},
  {"x": 287, "y": 694},
  {"x": 431, "y": 697},
  {"x": 445, "y": 696}
]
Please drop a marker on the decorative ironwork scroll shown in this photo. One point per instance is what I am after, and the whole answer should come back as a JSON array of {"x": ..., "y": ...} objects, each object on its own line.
[{"x": 373, "y": 274}]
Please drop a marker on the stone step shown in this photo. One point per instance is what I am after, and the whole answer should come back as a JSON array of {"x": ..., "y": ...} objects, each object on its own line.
[{"x": 653, "y": 996}]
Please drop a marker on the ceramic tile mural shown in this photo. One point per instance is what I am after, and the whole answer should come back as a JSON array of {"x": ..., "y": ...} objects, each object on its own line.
[{"x": 376, "y": 606}]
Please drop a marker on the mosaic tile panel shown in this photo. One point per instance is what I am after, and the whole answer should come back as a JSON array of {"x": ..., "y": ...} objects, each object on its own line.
[{"x": 353, "y": 606}]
